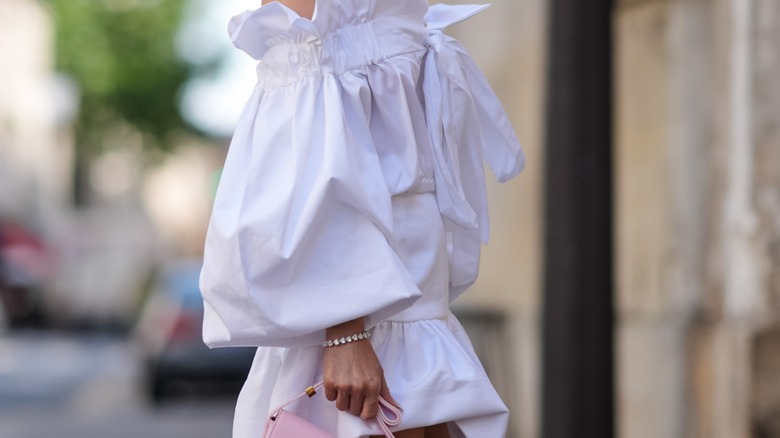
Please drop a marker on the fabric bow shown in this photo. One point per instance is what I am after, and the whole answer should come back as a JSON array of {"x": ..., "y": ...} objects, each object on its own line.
[{"x": 467, "y": 126}]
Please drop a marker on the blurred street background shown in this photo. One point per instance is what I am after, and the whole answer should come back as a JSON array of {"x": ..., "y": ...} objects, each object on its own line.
[
  {"x": 90, "y": 386},
  {"x": 114, "y": 121},
  {"x": 631, "y": 288}
]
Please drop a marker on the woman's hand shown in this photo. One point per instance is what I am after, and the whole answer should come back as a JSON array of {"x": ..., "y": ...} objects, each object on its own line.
[{"x": 353, "y": 376}]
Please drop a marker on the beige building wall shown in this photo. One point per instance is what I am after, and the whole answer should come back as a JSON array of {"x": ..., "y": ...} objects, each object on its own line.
[
  {"x": 697, "y": 189},
  {"x": 698, "y": 218},
  {"x": 508, "y": 41},
  {"x": 34, "y": 168}
]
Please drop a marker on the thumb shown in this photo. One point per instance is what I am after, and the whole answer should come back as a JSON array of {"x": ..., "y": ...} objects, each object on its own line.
[{"x": 385, "y": 394}]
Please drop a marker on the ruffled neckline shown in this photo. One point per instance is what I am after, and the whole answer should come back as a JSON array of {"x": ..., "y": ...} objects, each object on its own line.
[
  {"x": 253, "y": 30},
  {"x": 257, "y": 30}
]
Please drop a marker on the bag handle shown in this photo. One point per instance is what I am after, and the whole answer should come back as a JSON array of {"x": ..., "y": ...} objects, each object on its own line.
[{"x": 387, "y": 417}]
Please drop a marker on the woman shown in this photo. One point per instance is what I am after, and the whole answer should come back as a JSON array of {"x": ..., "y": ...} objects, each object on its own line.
[{"x": 353, "y": 199}]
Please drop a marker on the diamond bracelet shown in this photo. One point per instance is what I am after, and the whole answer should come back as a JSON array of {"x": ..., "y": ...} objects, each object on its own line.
[{"x": 347, "y": 339}]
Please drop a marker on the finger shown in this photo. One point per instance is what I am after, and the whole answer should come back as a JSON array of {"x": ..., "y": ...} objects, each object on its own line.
[
  {"x": 370, "y": 407},
  {"x": 385, "y": 394},
  {"x": 331, "y": 393},
  {"x": 342, "y": 401},
  {"x": 356, "y": 404}
]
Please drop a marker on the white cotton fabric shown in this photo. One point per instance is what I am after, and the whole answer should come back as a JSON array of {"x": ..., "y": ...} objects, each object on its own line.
[{"x": 354, "y": 187}]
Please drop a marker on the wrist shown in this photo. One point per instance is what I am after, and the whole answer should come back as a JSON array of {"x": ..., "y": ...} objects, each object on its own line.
[{"x": 348, "y": 328}]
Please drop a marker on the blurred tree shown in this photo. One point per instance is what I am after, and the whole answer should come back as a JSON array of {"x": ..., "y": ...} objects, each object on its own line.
[{"x": 122, "y": 54}]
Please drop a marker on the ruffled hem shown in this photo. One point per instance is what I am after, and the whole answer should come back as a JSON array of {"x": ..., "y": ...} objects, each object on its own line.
[{"x": 419, "y": 359}]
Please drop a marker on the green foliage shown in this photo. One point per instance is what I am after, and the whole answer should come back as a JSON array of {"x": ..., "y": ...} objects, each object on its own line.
[{"x": 122, "y": 54}]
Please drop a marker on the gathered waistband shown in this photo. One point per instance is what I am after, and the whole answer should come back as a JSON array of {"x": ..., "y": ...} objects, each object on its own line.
[{"x": 345, "y": 49}]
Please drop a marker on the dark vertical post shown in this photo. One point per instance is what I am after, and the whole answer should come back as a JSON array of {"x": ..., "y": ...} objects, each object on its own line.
[{"x": 578, "y": 365}]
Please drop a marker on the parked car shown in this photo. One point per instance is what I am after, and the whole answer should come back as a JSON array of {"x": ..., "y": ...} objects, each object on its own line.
[
  {"x": 3, "y": 319},
  {"x": 25, "y": 265},
  {"x": 169, "y": 334}
]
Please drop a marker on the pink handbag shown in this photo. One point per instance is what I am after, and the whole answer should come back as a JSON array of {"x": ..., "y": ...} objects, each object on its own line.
[{"x": 285, "y": 424}]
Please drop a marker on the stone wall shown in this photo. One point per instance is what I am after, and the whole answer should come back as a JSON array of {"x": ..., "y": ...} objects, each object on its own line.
[
  {"x": 508, "y": 41},
  {"x": 698, "y": 196}
]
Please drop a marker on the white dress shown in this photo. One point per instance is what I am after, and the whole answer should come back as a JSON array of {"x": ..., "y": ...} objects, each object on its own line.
[{"x": 354, "y": 187}]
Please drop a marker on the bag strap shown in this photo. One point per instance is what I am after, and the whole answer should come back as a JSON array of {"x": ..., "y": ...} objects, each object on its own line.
[{"x": 387, "y": 417}]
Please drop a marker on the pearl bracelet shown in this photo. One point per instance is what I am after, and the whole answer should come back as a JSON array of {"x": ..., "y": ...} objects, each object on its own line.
[{"x": 347, "y": 339}]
